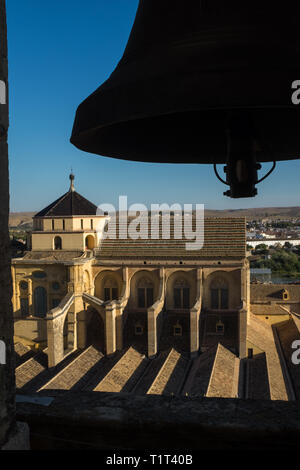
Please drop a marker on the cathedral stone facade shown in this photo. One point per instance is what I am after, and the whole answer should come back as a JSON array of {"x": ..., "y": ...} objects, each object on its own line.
[
  {"x": 70, "y": 291},
  {"x": 131, "y": 301}
]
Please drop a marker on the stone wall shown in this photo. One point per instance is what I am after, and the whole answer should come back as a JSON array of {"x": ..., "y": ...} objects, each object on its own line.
[
  {"x": 113, "y": 421},
  {"x": 7, "y": 380}
]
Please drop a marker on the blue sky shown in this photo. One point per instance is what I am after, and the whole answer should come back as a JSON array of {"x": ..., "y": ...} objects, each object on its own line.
[{"x": 59, "y": 52}]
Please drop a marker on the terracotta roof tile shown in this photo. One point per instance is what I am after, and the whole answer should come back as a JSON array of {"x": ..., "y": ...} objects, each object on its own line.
[
  {"x": 273, "y": 292},
  {"x": 223, "y": 238}
]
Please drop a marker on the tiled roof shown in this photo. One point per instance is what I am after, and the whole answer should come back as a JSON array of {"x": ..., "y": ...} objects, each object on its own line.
[
  {"x": 262, "y": 309},
  {"x": 198, "y": 378},
  {"x": 53, "y": 255},
  {"x": 212, "y": 374},
  {"x": 260, "y": 334},
  {"x": 223, "y": 238},
  {"x": 288, "y": 333},
  {"x": 273, "y": 292},
  {"x": 221, "y": 382},
  {"x": 257, "y": 380},
  {"x": 71, "y": 203}
]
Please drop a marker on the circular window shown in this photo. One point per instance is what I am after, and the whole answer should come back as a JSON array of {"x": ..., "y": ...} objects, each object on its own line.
[
  {"x": 24, "y": 285},
  {"x": 55, "y": 285}
]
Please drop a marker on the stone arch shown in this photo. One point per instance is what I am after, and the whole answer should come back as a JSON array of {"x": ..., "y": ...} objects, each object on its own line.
[
  {"x": 219, "y": 283},
  {"x": 108, "y": 285},
  {"x": 217, "y": 290},
  {"x": 23, "y": 286},
  {"x": 181, "y": 290},
  {"x": 57, "y": 243},
  {"x": 95, "y": 329},
  {"x": 220, "y": 323},
  {"x": 90, "y": 242},
  {"x": 40, "y": 301},
  {"x": 144, "y": 287}
]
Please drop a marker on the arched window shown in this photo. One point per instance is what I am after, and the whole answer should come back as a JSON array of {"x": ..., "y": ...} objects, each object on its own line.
[
  {"x": 110, "y": 290},
  {"x": 24, "y": 286},
  {"x": 40, "y": 301},
  {"x": 285, "y": 294},
  {"x": 219, "y": 294},
  {"x": 181, "y": 293},
  {"x": 57, "y": 243},
  {"x": 90, "y": 242},
  {"x": 145, "y": 293}
]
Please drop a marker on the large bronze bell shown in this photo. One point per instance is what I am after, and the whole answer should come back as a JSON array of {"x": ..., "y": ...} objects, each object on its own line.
[{"x": 201, "y": 81}]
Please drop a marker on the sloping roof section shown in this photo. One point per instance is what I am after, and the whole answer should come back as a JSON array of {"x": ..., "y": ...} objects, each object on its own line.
[
  {"x": 71, "y": 203},
  {"x": 53, "y": 255},
  {"x": 223, "y": 238},
  {"x": 273, "y": 292}
]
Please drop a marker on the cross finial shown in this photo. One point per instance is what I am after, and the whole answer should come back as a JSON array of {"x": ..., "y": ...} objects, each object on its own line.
[{"x": 72, "y": 177}]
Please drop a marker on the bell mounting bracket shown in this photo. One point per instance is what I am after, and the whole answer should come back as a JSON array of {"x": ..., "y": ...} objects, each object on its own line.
[{"x": 241, "y": 166}]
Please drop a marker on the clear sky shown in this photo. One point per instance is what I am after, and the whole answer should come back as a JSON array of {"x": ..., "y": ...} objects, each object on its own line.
[{"x": 59, "y": 52}]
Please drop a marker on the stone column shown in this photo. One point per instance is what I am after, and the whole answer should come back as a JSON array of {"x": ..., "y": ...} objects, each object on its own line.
[
  {"x": 78, "y": 307},
  {"x": 81, "y": 327},
  {"x": 71, "y": 329},
  {"x": 194, "y": 329},
  {"x": 242, "y": 333},
  {"x": 195, "y": 316},
  {"x": 55, "y": 339},
  {"x": 16, "y": 302},
  {"x": 30, "y": 298},
  {"x": 14, "y": 287},
  {"x": 245, "y": 285},
  {"x": 152, "y": 333},
  {"x": 76, "y": 286},
  {"x": 110, "y": 329},
  {"x": 248, "y": 299},
  {"x": 245, "y": 310},
  {"x": 152, "y": 315},
  {"x": 119, "y": 330}
]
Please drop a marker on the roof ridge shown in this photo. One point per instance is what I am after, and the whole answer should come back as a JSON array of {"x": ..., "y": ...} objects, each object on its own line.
[
  {"x": 52, "y": 205},
  {"x": 212, "y": 369},
  {"x": 70, "y": 203},
  {"x": 60, "y": 200},
  {"x": 84, "y": 198}
]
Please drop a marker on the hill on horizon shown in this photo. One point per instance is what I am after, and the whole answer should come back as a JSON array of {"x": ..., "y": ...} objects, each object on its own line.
[{"x": 24, "y": 219}]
